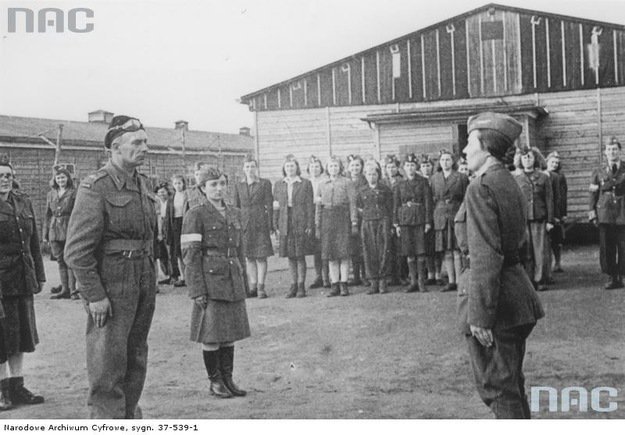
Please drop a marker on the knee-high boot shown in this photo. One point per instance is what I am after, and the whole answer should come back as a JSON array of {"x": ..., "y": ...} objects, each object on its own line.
[
  {"x": 65, "y": 292},
  {"x": 212, "y": 364},
  {"x": 226, "y": 360}
]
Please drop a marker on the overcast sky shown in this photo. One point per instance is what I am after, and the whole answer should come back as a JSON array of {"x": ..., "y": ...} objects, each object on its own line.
[{"x": 168, "y": 60}]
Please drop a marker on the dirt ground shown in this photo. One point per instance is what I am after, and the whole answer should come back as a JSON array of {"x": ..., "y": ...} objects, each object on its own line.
[{"x": 384, "y": 356}]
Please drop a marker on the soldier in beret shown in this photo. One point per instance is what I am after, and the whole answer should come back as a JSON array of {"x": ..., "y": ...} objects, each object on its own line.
[
  {"x": 497, "y": 304},
  {"x": 110, "y": 248},
  {"x": 412, "y": 218},
  {"x": 607, "y": 209}
]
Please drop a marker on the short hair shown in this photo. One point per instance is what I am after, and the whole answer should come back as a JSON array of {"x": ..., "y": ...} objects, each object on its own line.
[
  {"x": 314, "y": 159},
  {"x": 250, "y": 159},
  {"x": 163, "y": 185},
  {"x": 337, "y": 160},
  {"x": 198, "y": 165},
  {"x": 539, "y": 160},
  {"x": 180, "y": 177},
  {"x": 373, "y": 164},
  {"x": 497, "y": 144},
  {"x": 454, "y": 160},
  {"x": 291, "y": 158},
  {"x": 613, "y": 141},
  {"x": 210, "y": 173}
]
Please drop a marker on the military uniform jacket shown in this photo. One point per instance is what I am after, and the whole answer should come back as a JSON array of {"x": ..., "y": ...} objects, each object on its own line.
[
  {"x": 412, "y": 202},
  {"x": 21, "y": 265},
  {"x": 303, "y": 211},
  {"x": 114, "y": 217},
  {"x": 495, "y": 292},
  {"x": 58, "y": 210},
  {"x": 536, "y": 187},
  {"x": 447, "y": 194},
  {"x": 210, "y": 250},
  {"x": 375, "y": 202},
  {"x": 606, "y": 197},
  {"x": 256, "y": 204}
]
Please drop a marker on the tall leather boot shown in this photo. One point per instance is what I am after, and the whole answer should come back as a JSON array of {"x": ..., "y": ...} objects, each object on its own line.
[
  {"x": 212, "y": 364},
  {"x": 412, "y": 273},
  {"x": 226, "y": 361},
  {"x": 20, "y": 395},
  {"x": 421, "y": 274},
  {"x": 5, "y": 395}
]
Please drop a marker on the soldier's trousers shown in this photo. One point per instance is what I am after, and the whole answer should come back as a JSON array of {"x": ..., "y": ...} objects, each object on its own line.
[
  {"x": 117, "y": 353},
  {"x": 612, "y": 249},
  {"x": 498, "y": 372}
]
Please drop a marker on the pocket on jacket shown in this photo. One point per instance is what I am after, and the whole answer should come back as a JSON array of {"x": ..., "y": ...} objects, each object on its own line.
[{"x": 118, "y": 208}]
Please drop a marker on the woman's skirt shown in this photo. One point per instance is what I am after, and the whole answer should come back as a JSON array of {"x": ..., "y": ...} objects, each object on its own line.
[
  {"x": 335, "y": 233},
  {"x": 376, "y": 246},
  {"x": 175, "y": 243},
  {"x": 256, "y": 243},
  {"x": 445, "y": 239},
  {"x": 295, "y": 243},
  {"x": 220, "y": 322},
  {"x": 18, "y": 329},
  {"x": 412, "y": 240}
]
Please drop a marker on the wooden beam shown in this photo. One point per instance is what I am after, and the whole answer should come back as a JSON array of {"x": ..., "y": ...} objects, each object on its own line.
[
  {"x": 563, "y": 33},
  {"x": 334, "y": 86},
  {"x": 362, "y": 79},
  {"x": 615, "y": 57},
  {"x": 438, "y": 62},
  {"x": 481, "y": 57},
  {"x": 410, "y": 68},
  {"x": 548, "y": 52},
  {"x": 423, "y": 67},
  {"x": 319, "y": 89},
  {"x": 377, "y": 72},
  {"x": 581, "y": 51}
]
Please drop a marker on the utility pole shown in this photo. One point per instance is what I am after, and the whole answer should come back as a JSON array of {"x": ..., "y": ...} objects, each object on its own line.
[
  {"x": 57, "y": 151},
  {"x": 184, "y": 149}
]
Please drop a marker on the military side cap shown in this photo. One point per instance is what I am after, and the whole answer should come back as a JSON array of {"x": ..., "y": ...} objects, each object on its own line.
[
  {"x": 504, "y": 124},
  {"x": 411, "y": 158},
  {"x": 390, "y": 158}
]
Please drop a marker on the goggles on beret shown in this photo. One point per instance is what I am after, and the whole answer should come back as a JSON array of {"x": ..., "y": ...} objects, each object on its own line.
[{"x": 129, "y": 126}]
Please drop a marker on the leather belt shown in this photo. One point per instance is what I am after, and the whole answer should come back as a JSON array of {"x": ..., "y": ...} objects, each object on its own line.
[
  {"x": 213, "y": 252},
  {"x": 129, "y": 248}
]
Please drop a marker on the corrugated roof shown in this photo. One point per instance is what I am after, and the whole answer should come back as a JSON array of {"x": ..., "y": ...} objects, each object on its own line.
[
  {"x": 91, "y": 133},
  {"x": 246, "y": 98}
]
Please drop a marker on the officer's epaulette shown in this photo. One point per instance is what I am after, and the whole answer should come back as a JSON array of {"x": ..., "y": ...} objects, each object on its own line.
[{"x": 89, "y": 181}]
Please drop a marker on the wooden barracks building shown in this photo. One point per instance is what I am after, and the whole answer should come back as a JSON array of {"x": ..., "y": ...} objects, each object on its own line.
[
  {"x": 31, "y": 143},
  {"x": 562, "y": 77}
]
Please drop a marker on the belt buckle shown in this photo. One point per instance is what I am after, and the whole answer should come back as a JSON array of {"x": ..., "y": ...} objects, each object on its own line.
[{"x": 130, "y": 254}]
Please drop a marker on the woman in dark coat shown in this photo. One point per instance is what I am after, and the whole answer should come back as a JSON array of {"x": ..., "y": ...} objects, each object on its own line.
[
  {"x": 210, "y": 241},
  {"x": 161, "y": 250},
  {"x": 412, "y": 218},
  {"x": 560, "y": 194},
  {"x": 536, "y": 188},
  {"x": 253, "y": 196},
  {"x": 317, "y": 176},
  {"x": 59, "y": 205},
  {"x": 448, "y": 188},
  {"x": 21, "y": 276},
  {"x": 336, "y": 219},
  {"x": 355, "y": 165},
  {"x": 176, "y": 208},
  {"x": 376, "y": 202},
  {"x": 434, "y": 266},
  {"x": 294, "y": 222},
  {"x": 399, "y": 266}
]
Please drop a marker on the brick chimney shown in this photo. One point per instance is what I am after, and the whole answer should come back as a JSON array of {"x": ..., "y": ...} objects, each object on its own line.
[
  {"x": 100, "y": 117},
  {"x": 244, "y": 131},
  {"x": 182, "y": 125}
]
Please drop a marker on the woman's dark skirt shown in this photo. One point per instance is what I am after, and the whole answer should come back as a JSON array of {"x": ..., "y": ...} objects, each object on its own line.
[
  {"x": 220, "y": 322},
  {"x": 295, "y": 243},
  {"x": 18, "y": 329},
  {"x": 175, "y": 243},
  {"x": 355, "y": 244},
  {"x": 445, "y": 239},
  {"x": 376, "y": 246},
  {"x": 412, "y": 240},
  {"x": 256, "y": 243},
  {"x": 335, "y": 233}
]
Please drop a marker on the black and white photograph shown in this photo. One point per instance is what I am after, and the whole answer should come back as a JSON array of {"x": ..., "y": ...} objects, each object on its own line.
[{"x": 310, "y": 210}]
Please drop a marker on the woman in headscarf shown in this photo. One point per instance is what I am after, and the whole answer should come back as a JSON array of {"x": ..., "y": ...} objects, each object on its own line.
[
  {"x": 21, "y": 276},
  {"x": 294, "y": 222},
  {"x": 210, "y": 241},
  {"x": 253, "y": 196},
  {"x": 59, "y": 205}
]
